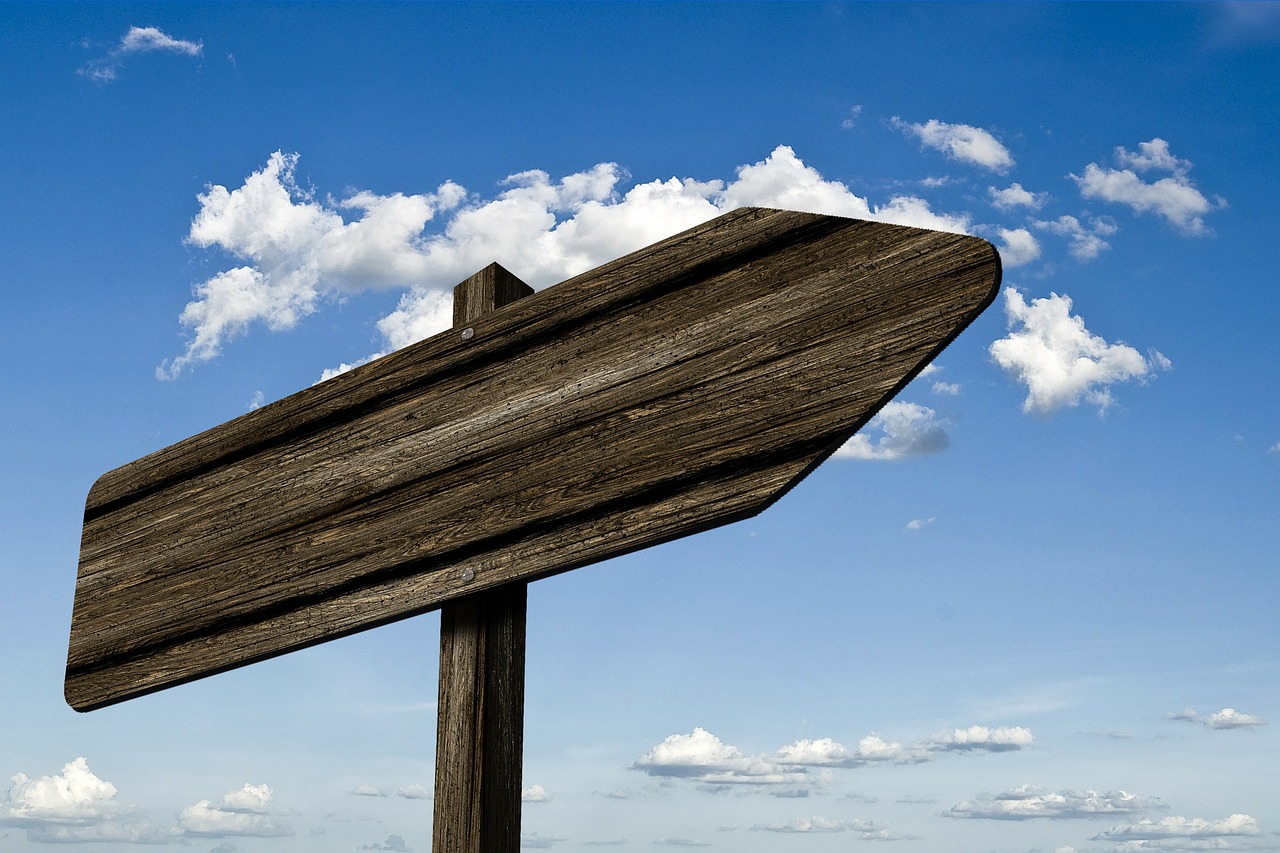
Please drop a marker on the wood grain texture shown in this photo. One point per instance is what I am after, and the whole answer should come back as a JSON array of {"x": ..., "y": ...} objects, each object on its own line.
[
  {"x": 480, "y": 722},
  {"x": 480, "y": 715},
  {"x": 683, "y": 386}
]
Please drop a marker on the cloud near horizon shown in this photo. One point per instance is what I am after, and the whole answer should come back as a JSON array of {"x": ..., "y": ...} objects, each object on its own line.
[
  {"x": 702, "y": 757},
  {"x": 1028, "y": 802},
  {"x": 76, "y": 806}
]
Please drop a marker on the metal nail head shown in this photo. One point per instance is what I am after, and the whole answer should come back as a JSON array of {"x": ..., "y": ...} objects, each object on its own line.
[
  {"x": 467, "y": 574},
  {"x": 468, "y": 334}
]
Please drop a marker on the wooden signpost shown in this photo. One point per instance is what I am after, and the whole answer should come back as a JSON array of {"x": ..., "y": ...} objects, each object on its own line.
[{"x": 684, "y": 386}]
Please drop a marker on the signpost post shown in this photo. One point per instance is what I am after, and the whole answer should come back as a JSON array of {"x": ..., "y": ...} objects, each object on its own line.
[{"x": 686, "y": 385}]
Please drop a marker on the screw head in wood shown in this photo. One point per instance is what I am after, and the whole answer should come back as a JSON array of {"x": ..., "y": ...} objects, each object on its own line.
[
  {"x": 467, "y": 574},
  {"x": 468, "y": 334}
]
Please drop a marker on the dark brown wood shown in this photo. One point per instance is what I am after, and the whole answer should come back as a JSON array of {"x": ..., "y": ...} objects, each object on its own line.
[
  {"x": 480, "y": 723},
  {"x": 480, "y": 716},
  {"x": 683, "y": 386}
]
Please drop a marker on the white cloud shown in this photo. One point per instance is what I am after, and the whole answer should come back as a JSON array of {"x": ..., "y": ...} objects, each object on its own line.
[
  {"x": 415, "y": 792},
  {"x": 783, "y": 180},
  {"x": 74, "y": 806},
  {"x": 681, "y": 841},
  {"x": 1085, "y": 244},
  {"x": 1061, "y": 362},
  {"x": 951, "y": 389},
  {"x": 961, "y": 142},
  {"x": 1018, "y": 247},
  {"x": 864, "y": 830},
  {"x": 904, "y": 430},
  {"x": 1171, "y": 833},
  {"x": 1173, "y": 197},
  {"x": 368, "y": 791},
  {"x": 916, "y": 213},
  {"x": 144, "y": 39},
  {"x": 1230, "y": 718},
  {"x": 294, "y": 250},
  {"x": 394, "y": 843},
  {"x": 702, "y": 756},
  {"x": 851, "y": 120},
  {"x": 246, "y": 811},
  {"x": 920, "y": 523},
  {"x": 981, "y": 738},
  {"x": 137, "y": 40},
  {"x": 1227, "y": 718},
  {"x": 534, "y": 841},
  {"x": 1014, "y": 196},
  {"x": 1028, "y": 802},
  {"x": 535, "y": 794},
  {"x": 825, "y": 752}
]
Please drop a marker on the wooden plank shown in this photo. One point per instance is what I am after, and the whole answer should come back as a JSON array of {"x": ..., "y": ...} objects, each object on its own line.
[
  {"x": 480, "y": 722},
  {"x": 480, "y": 715},
  {"x": 683, "y": 386}
]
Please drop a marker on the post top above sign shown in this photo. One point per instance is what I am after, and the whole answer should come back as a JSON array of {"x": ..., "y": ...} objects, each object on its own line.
[{"x": 683, "y": 386}]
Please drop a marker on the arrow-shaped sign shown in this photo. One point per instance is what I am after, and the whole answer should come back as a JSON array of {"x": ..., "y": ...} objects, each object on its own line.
[{"x": 684, "y": 386}]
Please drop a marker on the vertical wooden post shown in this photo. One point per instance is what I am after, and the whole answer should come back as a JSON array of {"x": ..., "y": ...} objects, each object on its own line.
[{"x": 480, "y": 727}]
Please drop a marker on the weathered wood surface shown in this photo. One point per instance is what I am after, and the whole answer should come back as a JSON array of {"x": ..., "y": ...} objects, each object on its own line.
[
  {"x": 480, "y": 715},
  {"x": 683, "y": 386},
  {"x": 480, "y": 722}
]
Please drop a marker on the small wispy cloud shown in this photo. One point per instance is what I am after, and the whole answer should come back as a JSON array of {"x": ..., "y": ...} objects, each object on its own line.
[
  {"x": 920, "y": 523},
  {"x": 1028, "y": 802},
  {"x": 1083, "y": 242},
  {"x": 137, "y": 40},
  {"x": 851, "y": 118},
  {"x": 864, "y": 830},
  {"x": 1180, "y": 833},
  {"x": 962, "y": 142}
]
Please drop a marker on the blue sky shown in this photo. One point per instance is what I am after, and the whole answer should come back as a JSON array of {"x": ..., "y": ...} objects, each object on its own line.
[{"x": 1031, "y": 608}]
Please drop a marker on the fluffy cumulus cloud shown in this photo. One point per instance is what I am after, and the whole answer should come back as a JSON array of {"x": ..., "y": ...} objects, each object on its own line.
[
  {"x": 1014, "y": 196},
  {"x": 1227, "y": 718},
  {"x": 535, "y": 794},
  {"x": 137, "y": 40},
  {"x": 898, "y": 431},
  {"x": 702, "y": 757},
  {"x": 825, "y": 752},
  {"x": 247, "y": 811},
  {"x": 294, "y": 250},
  {"x": 1018, "y": 247},
  {"x": 1173, "y": 197},
  {"x": 981, "y": 738},
  {"x": 1180, "y": 833},
  {"x": 1027, "y": 802},
  {"x": 394, "y": 843},
  {"x": 961, "y": 142},
  {"x": 74, "y": 806},
  {"x": 1062, "y": 363}
]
